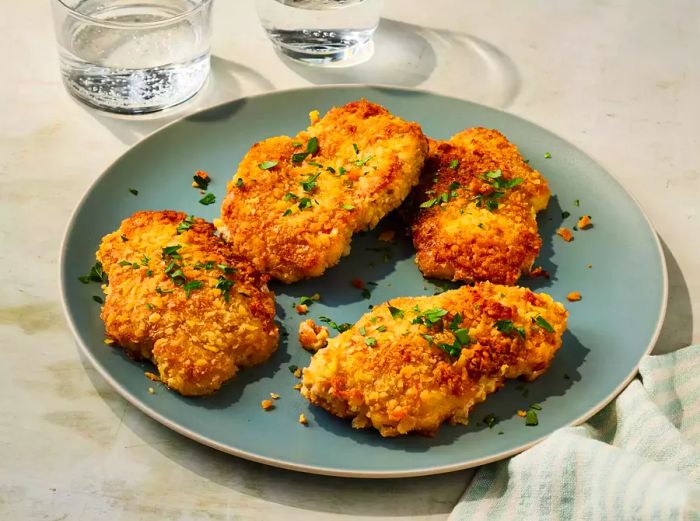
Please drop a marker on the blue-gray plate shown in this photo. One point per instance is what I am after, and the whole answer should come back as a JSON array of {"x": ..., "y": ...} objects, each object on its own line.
[{"x": 617, "y": 266}]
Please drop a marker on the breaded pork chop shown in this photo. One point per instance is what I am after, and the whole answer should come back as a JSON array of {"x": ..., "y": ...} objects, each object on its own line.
[
  {"x": 478, "y": 201},
  {"x": 295, "y": 202},
  {"x": 413, "y": 363},
  {"x": 178, "y": 297}
]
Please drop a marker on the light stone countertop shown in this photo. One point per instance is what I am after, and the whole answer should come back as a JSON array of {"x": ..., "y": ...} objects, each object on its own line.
[{"x": 619, "y": 79}]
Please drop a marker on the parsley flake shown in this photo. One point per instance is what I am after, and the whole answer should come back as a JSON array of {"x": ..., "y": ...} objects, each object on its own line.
[
  {"x": 133, "y": 191},
  {"x": 239, "y": 182},
  {"x": 395, "y": 312},
  {"x": 490, "y": 420},
  {"x": 266, "y": 165},
  {"x": 96, "y": 274},
  {"x": 454, "y": 164},
  {"x": 200, "y": 181},
  {"x": 208, "y": 199},
  {"x": 547, "y": 155},
  {"x": 98, "y": 299},
  {"x": 186, "y": 224},
  {"x": 531, "y": 418},
  {"x": 371, "y": 341},
  {"x": 541, "y": 322},
  {"x": 354, "y": 146},
  {"x": 304, "y": 203},
  {"x": 348, "y": 207},
  {"x": 225, "y": 286},
  {"x": 310, "y": 183},
  {"x": 191, "y": 286}
]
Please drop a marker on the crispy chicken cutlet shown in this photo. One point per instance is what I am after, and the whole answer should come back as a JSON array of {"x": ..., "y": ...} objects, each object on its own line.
[
  {"x": 178, "y": 297},
  {"x": 413, "y": 363},
  {"x": 477, "y": 205},
  {"x": 295, "y": 202}
]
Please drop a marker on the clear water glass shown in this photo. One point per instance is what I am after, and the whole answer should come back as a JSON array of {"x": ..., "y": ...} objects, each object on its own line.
[
  {"x": 133, "y": 56},
  {"x": 321, "y": 32}
]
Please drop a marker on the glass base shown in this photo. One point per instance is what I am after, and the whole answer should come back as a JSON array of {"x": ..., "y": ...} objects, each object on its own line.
[{"x": 323, "y": 51}]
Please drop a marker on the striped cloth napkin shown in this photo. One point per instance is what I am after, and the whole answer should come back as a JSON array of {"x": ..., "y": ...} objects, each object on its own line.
[{"x": 639, "y": 458}]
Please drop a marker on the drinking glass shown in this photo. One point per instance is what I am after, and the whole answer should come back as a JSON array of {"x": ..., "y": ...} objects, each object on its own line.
[
  {"x": 133, "y": 56},
  {"x": 321, "y": 32}
]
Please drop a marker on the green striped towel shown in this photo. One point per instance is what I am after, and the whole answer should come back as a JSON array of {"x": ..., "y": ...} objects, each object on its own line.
[{"x": 639, "y": 458}]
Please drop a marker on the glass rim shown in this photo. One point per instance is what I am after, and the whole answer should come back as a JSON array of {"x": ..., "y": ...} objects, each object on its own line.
[{"x": 132, "y": 25}]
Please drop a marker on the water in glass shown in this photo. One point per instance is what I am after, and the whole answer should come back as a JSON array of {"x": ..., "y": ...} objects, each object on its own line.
[
  {"x": 134, "y": 57},
  {"x": 320, "y": 31}
]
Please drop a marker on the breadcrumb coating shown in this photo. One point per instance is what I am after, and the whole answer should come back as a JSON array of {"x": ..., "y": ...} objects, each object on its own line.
[
  {"x": 483, "y": 228},
  {"x": 392, "y": 370},
  {"x": 293, "y": 214},
  {"x": 199, "y": 341}
]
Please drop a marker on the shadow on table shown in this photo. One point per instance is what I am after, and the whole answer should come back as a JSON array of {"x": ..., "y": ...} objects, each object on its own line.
[
  {"x": 408, "y": 55},
  {"x": 353, "y": 497},
  {"x": 224, "y": 84},
  {"x": 677, "y": 330}
]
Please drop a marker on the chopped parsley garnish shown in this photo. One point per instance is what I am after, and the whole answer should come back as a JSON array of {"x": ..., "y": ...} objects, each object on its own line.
[
  {"x": 123, "y": 238},
  {"x": 507, "y": 327},
  {"x": 191, "y": 285},
  {"x": 226, "y": 269},
  {"x": 307, "y": 301},
  {"x": 429, "y": 338},
  {"x": 225, "y": 286},
  {"x": 354, "y": 146},
  {"x": 209, "y": 265},
  {"x": 454, "y": 164},
  {"x": 456, "y": 321},
  {"x": 541, "y": 322},
  {"x": 366, "y": 293},
  {"x": 381, "y": 328},
  {"x": 362, "y": 162},
  {"x": 312, "y": 145},
  {"x": 333, "y": 325},
  {"x": 98, "y": 299},
  {"x": 564, "y": 215},
  {"x": 149, "y": 273},
  {"x": 174, "y": 271},
  {"x": 299, "y": 157},
  {"x": 451, "y": 349},
  {"x": 201, "y": 181},
  {"x": 462, "y": 336},
  {"x": 304, "y": 203},
  {"x": 531, "y": 418},
  {"x": 314, "y": 163},
  {"x": 293, "y": 368},
  {"x": 341, "y": 170},
  {"x": 96, "y": 274},
  {"x": 124, "y": 263},
  {"x": 536, "y": 406},
  {"x": 290, "y": 197},
  {"x": 171, "y": 252},
  {"x": 395, "y": 312},
  {"x": 310, "y": 183},
  {"x": 547, "y": 155},
  {"x": 490, "y": 420},
  {"x": 239, "y": 182},
  {"x": 434, "y": 315},
  {"x": 330, "y": 169},
  {"x": 296, "y": 144},
  {"x": 145, "y": 260},
  {"x": 362, "y": 331},
  {"x": 149, "y": 305},
  {"x": 133, "y": 191},
  {"x": 186, "y": 224},
  {"x": 348, "y": 207},
  {"x": 266, "y": 165},
  {"x": 208, "y": 199},
  {"x": 577, "y": 202},
  {"x": 371, "y": 341},
  {"x": 287, "y": 212},
  {"x": 163, "y": 291}
]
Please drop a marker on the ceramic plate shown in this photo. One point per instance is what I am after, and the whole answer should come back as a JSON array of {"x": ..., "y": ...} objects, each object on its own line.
[{"x": 617, "y": 266}]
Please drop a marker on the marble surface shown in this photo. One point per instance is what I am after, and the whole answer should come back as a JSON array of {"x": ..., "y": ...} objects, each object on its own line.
[{"x": 619, "y": 79}]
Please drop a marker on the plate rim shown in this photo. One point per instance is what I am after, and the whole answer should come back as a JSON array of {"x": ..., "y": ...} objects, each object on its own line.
[{"x": 316, "y": 469}]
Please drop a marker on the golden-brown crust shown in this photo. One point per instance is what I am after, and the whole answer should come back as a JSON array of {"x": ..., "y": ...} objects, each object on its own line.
[
  {"x": 463, "y": 239},
  {"x": 307, "y": 241},
  {"x": 398, "y": 380},
  {"x": 197, "y": 342}
]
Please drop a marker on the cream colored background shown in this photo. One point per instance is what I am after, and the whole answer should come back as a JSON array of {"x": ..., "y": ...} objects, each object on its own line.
[{"x": 619, "y": 79}]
